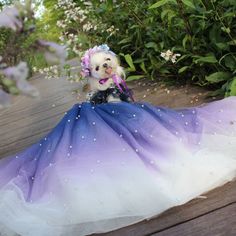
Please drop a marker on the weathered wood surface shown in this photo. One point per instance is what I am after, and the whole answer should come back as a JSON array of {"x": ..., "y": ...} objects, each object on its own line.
[{"x": 28, "y": 120}]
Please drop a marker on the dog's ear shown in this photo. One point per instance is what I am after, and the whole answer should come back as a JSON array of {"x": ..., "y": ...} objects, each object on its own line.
[{"x": 121, "y": 72}]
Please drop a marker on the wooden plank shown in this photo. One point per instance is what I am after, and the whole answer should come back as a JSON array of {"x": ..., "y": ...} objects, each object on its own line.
[
  {"x": 216, "y": 199},
  {"x": 220, "y": 222},
  {"x": 28, "y": 120}
]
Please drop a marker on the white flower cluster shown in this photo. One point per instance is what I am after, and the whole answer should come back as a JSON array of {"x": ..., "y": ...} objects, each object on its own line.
[
  {"x": 51, "y": 72},
  {"x": 73, "y": 42},
  {"x": 170, "y": 56},
  {"x": 83, "y": 14},
  {"x": 72, "y": 13},
  {"x": 112, "y": 30},
  {"x": 54, "y": 72},
  {"x": 61, "y": 24}
]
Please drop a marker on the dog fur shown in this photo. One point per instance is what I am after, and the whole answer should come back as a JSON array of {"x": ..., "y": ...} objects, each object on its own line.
[{"x": 100, "y": 64}]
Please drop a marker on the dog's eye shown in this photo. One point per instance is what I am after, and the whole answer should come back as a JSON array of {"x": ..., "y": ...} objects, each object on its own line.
[
  {"x": 97, "y": 68},
  {"x": 108, "y": 59}
]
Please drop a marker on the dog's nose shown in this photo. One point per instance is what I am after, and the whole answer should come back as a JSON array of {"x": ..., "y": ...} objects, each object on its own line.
[{"x": 105, "y": 65}]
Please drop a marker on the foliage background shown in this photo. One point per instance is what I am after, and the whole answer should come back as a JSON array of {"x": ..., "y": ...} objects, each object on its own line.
[{"x": 203, "y": 32}]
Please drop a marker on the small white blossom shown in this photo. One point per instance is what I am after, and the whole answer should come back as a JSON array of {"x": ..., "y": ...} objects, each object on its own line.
[{"x": 170, "y": 56}]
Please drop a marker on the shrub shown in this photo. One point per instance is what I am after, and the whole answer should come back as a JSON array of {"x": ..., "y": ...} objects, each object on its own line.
[{"x": 203, "y": 32}]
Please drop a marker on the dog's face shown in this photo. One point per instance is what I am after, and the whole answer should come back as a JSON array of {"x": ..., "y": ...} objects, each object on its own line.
[{"x": 104, "y": 65}]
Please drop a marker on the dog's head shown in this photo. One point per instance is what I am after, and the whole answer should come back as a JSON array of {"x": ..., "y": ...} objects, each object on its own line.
[
  {"x": 99, "y": 62},
  {"x": 103, "y": 65}
]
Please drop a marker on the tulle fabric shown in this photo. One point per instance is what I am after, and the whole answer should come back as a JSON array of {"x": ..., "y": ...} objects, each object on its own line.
[{"x": 111, "y": 165}]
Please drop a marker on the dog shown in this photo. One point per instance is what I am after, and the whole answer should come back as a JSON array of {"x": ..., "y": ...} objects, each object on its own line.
[{"x": 105, "y": 76}]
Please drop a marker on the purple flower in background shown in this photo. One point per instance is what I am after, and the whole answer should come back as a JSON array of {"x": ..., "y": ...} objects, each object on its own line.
[
  {"x": 10, "y": 18},
  {"x": 19, "y": 74},
  {"x": 17, "y": 17},
  {"x": 56, "y": 53}
]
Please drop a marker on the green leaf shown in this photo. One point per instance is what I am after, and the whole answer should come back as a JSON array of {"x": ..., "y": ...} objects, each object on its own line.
[
  {"x": 226, "y": 30},
  {"x": 222, "y": 46},
  {"x": 186, "y": 56},
  {"x": 143, "y": 67},
  {"x": 8, "y": 82},
  {"x": 124, "y": 41},
  {"x": 152, "y": 45},
  {"x": 129, "y": 61},
  {"x": 181, "y": 70},
  {"x": 171, "y": 15},
  {"x": 207, "y": 59},
  {"x": 161, "y": 3},
  {"x": 189, "y": 3},
  {"x": 218, "y": 77},
  {"x": 230, "y": 62},
  {"x": 218, "y": 92},
  {"x": 164, "y": 13},
  {"x": 186, "y": 38},
  {"x": 14, "y": 90},
  {"x": 139, "y": 60},
  {"x": 134, "y": 77},
  {"x": 232, "y": 87},
  {"x": 130, "y": 69}
]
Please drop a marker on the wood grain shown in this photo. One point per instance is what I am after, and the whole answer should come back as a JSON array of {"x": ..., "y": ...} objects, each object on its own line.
[{"x": 220, "y": 222}]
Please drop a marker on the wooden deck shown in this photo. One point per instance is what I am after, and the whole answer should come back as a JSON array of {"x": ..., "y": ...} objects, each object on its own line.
[{"x": 28, "y": 120}]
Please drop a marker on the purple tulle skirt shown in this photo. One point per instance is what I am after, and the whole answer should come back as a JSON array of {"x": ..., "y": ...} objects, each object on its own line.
[{"x": 111, "y": 165}]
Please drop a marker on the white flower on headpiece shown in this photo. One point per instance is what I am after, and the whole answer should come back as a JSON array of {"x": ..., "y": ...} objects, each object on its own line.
[{"x": 104, "y": 47}]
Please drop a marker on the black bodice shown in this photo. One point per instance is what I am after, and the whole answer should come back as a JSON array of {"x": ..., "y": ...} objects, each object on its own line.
[{"x": 102, "y": 96}]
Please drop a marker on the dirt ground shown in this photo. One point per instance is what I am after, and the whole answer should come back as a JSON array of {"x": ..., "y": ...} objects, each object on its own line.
[{"x": 170, "y": 96}]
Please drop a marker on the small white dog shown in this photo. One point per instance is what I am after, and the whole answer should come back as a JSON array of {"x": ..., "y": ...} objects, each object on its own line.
[{"x": 104, "y": 75}]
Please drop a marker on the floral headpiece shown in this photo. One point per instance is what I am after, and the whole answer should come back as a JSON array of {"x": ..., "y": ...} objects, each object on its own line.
[{"x": 85, "y": 60}]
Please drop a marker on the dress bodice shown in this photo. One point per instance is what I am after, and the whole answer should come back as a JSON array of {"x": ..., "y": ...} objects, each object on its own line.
[{"x": 98, "y": 97}]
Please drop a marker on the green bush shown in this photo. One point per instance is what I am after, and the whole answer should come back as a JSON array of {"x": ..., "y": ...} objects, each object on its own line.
[{"x": 202, "y": 31}]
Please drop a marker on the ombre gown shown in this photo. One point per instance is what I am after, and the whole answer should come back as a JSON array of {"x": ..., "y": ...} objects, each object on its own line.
[{"x": 109, "y": 165}]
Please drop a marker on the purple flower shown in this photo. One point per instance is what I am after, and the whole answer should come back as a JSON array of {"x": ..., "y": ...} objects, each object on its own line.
[
  {"x": 10, "y": 18},
  {"x": 56, "y": 53},
  {"x": 19, "y": 74}
]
